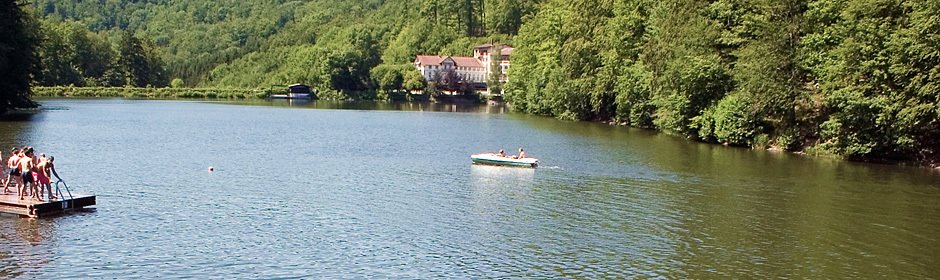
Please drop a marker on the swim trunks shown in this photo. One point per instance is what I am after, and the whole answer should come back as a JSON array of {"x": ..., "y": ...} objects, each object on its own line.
[
  {"x": 27, "y": 177},
  {"x": 41, "y": 178}
]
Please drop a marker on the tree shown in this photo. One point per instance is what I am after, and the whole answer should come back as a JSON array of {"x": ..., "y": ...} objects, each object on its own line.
[
  {"x": 56, "y": 55},
  {"x": 494, "y": 80},
  {"x": 414, "y": 81},
  {"x": 133, "y": 61},
  {"x": 18, "y": 62},
  {"x": 389, "y": 78}
]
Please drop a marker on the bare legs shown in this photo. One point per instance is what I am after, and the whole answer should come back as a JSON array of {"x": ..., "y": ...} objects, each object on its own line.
[
  {"x": 35, "y": 189},
  {"x": 6, "y": 182},
  {"x": 49, "y": 189},
  {"x": 23, "y": 188}
]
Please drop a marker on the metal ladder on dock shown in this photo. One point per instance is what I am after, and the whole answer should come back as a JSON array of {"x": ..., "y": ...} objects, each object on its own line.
[{"x": 60, "y": 194}]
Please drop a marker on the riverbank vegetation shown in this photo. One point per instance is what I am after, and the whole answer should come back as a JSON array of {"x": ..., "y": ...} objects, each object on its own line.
[
  {"x": 858, "y": 79},
  {"x": 147, "y": 92}
]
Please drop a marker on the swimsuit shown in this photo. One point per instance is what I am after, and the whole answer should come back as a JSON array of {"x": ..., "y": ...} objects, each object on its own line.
[
  {"x": 27, "y": 177},
  {"x": 14, "y": 170},
  {"x": 41, "y": 178}
]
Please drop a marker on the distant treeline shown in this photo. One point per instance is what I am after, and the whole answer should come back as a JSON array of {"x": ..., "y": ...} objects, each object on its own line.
[
  {"x": 858, "y": 78},
  {"x": 69, "y": 54},
  {"x": 147, "y": 92}
]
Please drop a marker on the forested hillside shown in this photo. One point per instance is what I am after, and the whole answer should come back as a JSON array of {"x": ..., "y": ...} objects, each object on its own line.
[
  {"x": 852, "y": 78},
  {"x": 329, "y": 44}
]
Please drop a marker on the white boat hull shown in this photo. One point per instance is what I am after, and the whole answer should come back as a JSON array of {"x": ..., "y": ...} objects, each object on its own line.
[{"x": 494, "y": 159}]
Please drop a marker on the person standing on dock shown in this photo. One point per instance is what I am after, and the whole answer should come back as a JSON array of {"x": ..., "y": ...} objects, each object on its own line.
[
  {"x": 14, "y": 174},
  {"x": 26, "y": 172},
  {"x": 46, "y": 170}
]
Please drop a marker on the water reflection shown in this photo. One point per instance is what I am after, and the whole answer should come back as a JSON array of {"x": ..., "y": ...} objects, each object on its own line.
[
  {"x": 20, "y": 116},
  {"x": 372, "y": 105},
  {"x": 291, "y": 102},
  {"x": 392, "y": 195},
  {"x": 22, "y": 245},
  {"x": 500, "y": 180}
]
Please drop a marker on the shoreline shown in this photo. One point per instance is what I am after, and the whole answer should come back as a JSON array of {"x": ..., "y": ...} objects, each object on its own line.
[
  {"x": 931, "y": 164},
  {"x": 247, "y": 94}
]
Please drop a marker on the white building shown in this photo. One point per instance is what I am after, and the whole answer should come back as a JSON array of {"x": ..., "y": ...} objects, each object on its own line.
[
  {"x": 483, "y": 53},
  {"x": 466, "y": 68},
  {"x": 475, "y": 70}
]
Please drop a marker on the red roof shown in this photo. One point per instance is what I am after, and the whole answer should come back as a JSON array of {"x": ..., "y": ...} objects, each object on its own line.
[
  {"x": 465, "y": 61},
  {"x": 429, "y": 59},
  {"x": 462, "y": 61}
]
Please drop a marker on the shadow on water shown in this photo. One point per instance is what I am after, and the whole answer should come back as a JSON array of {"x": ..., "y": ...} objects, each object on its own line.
[{"x": 20, "y": 116}]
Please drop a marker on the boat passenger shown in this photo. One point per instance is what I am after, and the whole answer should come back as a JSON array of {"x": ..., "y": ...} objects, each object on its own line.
[
  {"x": 521, "y": 153},
  {"x": 501, "y": 153}
]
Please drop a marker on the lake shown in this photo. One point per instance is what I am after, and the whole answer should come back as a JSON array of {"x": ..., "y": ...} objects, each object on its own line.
[{"x": 376, "y": 190}]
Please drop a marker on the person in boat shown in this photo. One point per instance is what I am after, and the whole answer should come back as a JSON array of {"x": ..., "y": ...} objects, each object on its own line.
[
  {"x": 521, "y": 154},
  {"x": 14, "y": 174},
  {"x": 501, "y": 153},
  {"x": 46, "y": 170}
]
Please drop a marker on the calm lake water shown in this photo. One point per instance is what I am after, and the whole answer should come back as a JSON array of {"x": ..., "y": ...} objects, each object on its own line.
[{"x": 357, "y": 190}]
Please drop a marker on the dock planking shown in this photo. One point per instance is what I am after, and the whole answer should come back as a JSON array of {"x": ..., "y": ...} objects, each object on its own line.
[{"x": 10, "y": 203}]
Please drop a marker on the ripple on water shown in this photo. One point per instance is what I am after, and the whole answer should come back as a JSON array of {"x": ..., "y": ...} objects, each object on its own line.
[{"x": 376, "y": 194}]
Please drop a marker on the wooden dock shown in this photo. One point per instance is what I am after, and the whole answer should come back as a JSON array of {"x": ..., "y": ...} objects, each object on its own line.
[{"x": 10, "y": 203}]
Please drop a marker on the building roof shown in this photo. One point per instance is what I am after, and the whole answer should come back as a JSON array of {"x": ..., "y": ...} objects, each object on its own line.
[
  {"x": 489, "y": 46},
  {"x": 429, "y": 59},
  {"x": 484, "y": 46},
  {"x": 462, "y": 61},
  {"x": 466, "y": 61},
  {"x": 506, "y": 51}
]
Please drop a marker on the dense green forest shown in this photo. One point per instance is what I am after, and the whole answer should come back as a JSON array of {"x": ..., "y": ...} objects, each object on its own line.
[
  {"x": 332, "y": 45},
  {"x": 859, "y": 78},
  {"x": 18, "y": 62},
  {"x": 854, "y": 78}
]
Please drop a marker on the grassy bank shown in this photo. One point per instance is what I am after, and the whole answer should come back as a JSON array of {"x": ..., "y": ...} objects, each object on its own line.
[{"x": 149, "y": 93}]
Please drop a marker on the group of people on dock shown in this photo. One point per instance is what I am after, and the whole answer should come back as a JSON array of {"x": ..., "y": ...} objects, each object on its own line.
[
  {"x": 29, "y": 174},
  {"x": 520, "y": 155}
]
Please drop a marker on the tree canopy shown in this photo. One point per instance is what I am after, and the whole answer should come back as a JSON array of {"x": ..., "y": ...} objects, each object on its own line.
[
  {"x": 18, "y": 63},
  {"x": 853, "y": 78}
]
